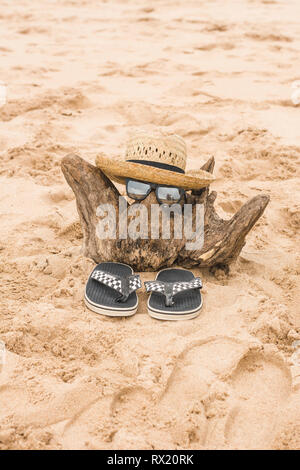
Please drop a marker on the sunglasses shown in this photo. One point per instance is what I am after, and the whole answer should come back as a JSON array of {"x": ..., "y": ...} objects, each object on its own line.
[{"x": 138, "y": 190}]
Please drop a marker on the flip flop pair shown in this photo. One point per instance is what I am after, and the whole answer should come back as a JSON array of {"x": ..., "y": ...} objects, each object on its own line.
[{"x": 174, "y": 294}]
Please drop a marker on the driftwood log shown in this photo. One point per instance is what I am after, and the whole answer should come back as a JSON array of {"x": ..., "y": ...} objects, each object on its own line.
[{"x": 223, "y": 239}]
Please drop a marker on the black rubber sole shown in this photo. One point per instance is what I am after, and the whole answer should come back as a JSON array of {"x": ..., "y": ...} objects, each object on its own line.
[
  {"x": 187, "y": 305},
  {"x": 102, "y": 299}
]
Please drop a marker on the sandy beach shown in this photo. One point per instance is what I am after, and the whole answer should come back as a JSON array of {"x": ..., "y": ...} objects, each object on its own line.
[{"x": 80, "y": 76}]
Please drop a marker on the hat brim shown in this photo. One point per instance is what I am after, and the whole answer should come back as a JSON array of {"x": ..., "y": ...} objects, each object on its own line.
[{"x": 120, "y": 170}]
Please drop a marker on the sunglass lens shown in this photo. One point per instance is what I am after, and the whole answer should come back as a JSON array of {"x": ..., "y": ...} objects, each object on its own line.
[
  {"x": 167, "y": 195},
  {"x": 137, "y": 190}
]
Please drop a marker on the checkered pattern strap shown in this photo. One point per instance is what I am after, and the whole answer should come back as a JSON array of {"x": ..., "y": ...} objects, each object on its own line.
[
  {"x": 124, "y": 285},
  {"x": 170, "y": 289}
]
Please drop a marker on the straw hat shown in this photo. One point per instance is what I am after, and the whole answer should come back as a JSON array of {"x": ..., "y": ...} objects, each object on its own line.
[{"x": 154, "y": 158}]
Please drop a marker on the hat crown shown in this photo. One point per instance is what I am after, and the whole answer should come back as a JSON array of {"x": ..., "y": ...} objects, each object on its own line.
[{"x": 167, "y": 149}]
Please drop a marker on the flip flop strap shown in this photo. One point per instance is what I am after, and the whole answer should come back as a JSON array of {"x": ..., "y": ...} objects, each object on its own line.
[
  {"x": 170, "y": 289},
  {"x": 125, "y": 285}
]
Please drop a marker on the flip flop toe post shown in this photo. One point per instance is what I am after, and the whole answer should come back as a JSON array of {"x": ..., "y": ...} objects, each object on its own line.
[
  {"x": 175, "y": 295},
  {"x": 111, "y": 290}
]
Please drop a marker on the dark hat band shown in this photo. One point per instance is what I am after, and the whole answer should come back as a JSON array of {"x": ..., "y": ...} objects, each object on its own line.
[{"x": 162, "y": 166}]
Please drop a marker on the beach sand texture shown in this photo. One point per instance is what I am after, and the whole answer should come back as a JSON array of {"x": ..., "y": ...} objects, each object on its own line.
[{"x": 80, "y": 76}]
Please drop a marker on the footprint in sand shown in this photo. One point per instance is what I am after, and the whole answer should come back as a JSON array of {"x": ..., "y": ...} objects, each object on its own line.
[
  {"x": 136, "y": 419},
  {"x": 222, "y": 392},
  {"x": 261, "y": 385}
]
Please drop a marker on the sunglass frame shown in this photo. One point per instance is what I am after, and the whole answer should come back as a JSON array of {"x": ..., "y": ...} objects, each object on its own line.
[{"x": 154, "y": 186}]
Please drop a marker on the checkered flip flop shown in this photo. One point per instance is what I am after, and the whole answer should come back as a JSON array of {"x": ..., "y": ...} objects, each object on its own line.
[
  {"x": 111, "y": 290},
  {"x": 175, "y": 295}
]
